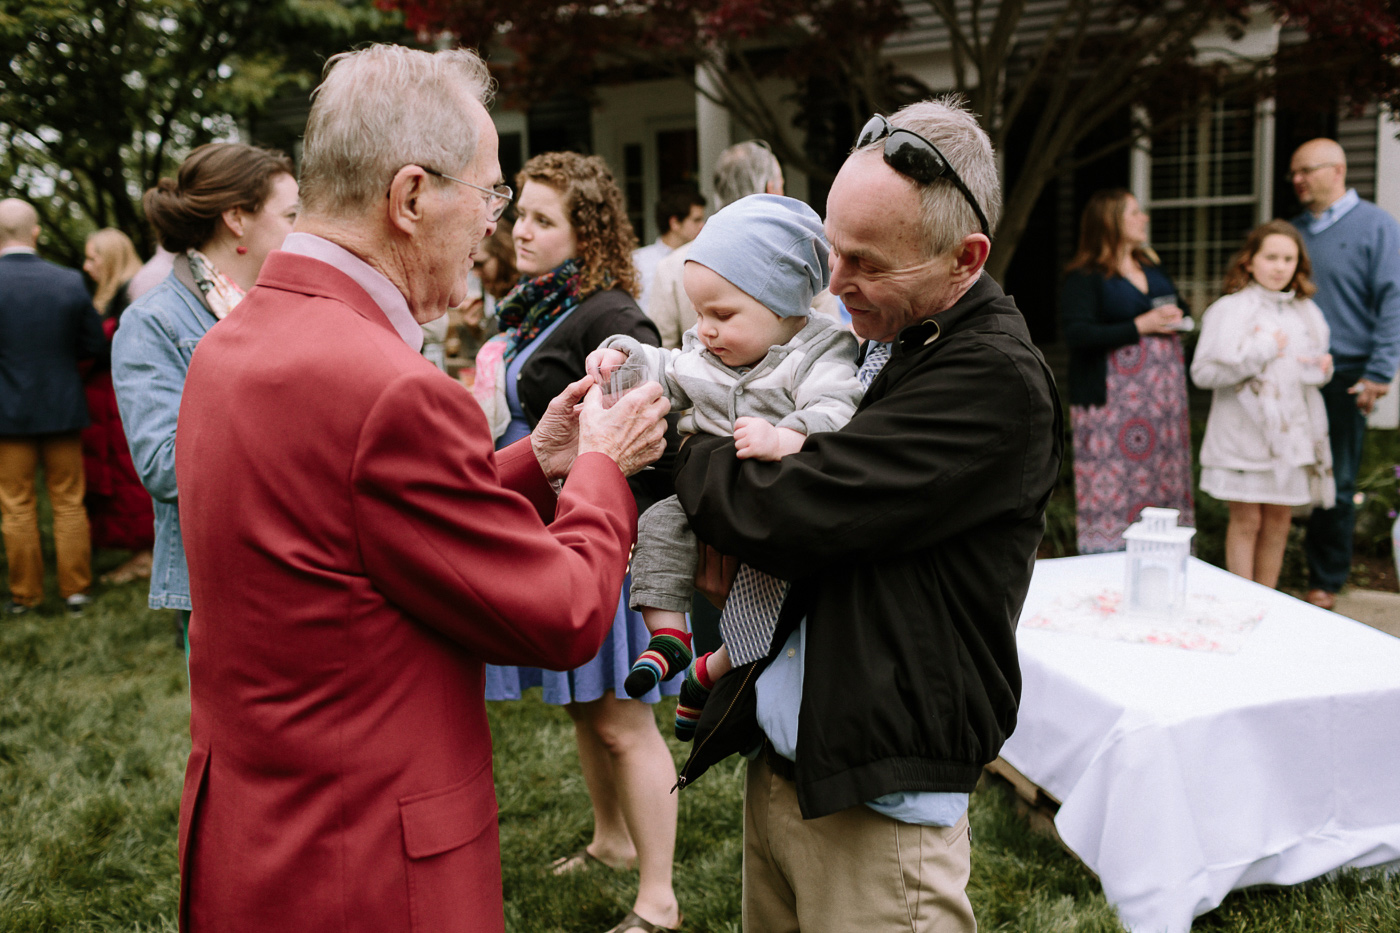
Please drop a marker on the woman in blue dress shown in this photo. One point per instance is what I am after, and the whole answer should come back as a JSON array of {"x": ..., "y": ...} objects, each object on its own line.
[{"x": 573, "y": 245}]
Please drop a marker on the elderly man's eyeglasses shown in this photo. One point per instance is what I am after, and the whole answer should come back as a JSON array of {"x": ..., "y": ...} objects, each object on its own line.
[
  {"x": 498, "y": 198},
  {"x": 911, "y": 155},
  {"x": 1307, "y": 170}
]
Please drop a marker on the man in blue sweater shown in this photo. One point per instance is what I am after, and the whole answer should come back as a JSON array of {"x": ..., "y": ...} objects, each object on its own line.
[{"x": 1355, "y": 250}]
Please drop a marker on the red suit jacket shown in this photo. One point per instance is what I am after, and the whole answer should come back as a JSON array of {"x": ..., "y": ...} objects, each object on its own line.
[{"x": 357, "y": 551}]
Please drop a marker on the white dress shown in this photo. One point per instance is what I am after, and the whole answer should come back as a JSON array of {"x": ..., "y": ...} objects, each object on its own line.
[{"x": 1266, "y": 437}]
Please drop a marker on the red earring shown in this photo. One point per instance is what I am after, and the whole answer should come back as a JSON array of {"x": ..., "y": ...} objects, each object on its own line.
[{"x": 241, "y": 250}]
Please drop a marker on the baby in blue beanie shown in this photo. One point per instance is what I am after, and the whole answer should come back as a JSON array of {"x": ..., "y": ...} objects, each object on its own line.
[{"x": 757, "y": 365}]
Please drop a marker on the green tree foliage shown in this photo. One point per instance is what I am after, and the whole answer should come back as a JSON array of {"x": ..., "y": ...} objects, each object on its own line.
[
  {"x": 830, "y": 51},
  {"x": 100, "y": 98},
  {"x": 1052, "y": 74}
]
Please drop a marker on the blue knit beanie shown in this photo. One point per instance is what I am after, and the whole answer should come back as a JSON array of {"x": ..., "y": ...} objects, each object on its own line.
[{"x": 771, "y": 247}]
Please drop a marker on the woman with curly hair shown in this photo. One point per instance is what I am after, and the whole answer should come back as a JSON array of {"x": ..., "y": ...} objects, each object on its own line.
[{"x": 573, "y": 247}]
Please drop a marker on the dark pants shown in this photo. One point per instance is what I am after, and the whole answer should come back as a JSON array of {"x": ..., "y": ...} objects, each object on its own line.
[{"x": 1328, "y": 543}]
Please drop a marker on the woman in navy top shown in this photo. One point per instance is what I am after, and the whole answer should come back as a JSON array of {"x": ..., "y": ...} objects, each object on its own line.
[{"x": 1127, "y": 376}]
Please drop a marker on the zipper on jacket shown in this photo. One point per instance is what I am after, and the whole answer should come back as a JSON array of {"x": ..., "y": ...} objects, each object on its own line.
[{"x": 681, "y": 779}]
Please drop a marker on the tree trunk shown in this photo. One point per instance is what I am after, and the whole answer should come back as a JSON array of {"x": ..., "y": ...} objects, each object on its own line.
[{"x": 1017, "y": 206}]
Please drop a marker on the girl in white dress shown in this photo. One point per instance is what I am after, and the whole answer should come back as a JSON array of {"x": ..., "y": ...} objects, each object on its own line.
[{"x": 1263, "y": 350}]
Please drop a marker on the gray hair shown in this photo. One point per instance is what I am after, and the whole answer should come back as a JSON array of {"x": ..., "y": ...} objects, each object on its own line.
[
  {"x": 744, "y": 169},
  {"x": 383, "y": 107},
  {"x": 949, "y": 125}
]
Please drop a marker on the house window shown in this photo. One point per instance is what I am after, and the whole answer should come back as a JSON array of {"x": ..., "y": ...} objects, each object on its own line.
[{"x": 1202, "y": 182}]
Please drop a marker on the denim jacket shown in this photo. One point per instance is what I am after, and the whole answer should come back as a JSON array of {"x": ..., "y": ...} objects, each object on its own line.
[{"x": 150, "y": 357}]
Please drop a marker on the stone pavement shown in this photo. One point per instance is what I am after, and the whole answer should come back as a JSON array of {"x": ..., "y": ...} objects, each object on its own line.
[{"x": 1376, "y": 608}]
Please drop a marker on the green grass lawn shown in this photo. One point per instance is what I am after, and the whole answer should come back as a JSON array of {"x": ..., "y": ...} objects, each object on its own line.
[{"x": 94, "y": 726}]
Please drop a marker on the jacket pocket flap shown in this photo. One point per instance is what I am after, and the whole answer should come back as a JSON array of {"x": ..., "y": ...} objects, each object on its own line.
[{"x": 441, "y": 820}]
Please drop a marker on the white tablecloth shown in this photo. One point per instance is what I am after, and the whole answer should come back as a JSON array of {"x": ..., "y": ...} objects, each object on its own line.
[{"x": 1184, "y": 774}]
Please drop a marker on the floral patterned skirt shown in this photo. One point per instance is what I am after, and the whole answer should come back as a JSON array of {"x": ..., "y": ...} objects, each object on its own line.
[{"x": 1134, "y": 451}]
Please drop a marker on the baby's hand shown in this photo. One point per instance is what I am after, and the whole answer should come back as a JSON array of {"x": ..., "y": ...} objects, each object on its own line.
[
  {"x": 756, "y": 439},
  {"x": 601, "y": 363}
]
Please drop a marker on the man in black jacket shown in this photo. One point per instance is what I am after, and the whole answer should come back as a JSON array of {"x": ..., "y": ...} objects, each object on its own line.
[
  {"x": 46, "y": 323},
  {"x": 909, "y": 537}
]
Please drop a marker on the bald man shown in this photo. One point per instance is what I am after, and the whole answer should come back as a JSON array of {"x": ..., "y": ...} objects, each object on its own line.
[
  {"x": 47, "y": 323},
  {"x": 1355, "y": 250}
]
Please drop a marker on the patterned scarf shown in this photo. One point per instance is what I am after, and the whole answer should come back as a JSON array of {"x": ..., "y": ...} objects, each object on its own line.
[
  {"x": 536, "y": 303},
  {"x": 222, "y": 292}
]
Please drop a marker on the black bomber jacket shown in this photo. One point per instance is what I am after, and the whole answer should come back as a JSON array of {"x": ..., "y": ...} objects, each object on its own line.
[{"x": 909, "y": 537}]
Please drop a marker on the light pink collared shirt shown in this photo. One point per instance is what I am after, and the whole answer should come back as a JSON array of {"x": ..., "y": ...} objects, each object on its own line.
[
  {"x": 18, "y": 249},
  {"x": 390, "y": 300}
]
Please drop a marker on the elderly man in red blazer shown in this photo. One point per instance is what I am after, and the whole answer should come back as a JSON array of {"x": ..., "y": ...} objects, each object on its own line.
[{"x": 356, "y": 549}]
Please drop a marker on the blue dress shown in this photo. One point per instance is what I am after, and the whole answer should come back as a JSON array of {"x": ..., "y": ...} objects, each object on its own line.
[{"x": 629, "y": 635}]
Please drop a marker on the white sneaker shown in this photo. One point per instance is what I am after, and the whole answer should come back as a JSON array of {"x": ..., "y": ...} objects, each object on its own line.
[{"x": 77, "y": 603}]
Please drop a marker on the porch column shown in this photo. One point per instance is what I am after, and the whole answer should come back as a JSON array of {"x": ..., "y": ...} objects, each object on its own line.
[{"x": 712, "y": 132}]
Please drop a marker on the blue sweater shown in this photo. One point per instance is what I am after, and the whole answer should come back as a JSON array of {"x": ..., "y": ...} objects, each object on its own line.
[{"x": 1356, "y": 265}]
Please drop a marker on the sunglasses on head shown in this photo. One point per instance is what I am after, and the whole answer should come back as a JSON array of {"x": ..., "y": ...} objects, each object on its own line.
[{"x": 916, "y": 158}]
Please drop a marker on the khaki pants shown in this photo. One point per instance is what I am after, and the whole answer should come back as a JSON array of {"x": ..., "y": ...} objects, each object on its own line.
[
  {"x": 853, "y": 870},
  {"x": 62, "y": 456}
]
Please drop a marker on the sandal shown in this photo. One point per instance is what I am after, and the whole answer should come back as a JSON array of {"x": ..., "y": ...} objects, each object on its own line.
[
  {"x": 578, "y": 861},
  {"x": 634, "y": 922}
]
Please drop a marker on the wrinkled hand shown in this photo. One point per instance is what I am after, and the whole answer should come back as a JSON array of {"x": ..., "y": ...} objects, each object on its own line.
[
  {"x": 632, "y": 433},
  {"x": 555, "y": 438},
  {"x": 1158, "y": 320},
  {"x": 714, "y": 574},
  {"x": 601, "y": 363},
  {"x": 1367, "y": 392}
]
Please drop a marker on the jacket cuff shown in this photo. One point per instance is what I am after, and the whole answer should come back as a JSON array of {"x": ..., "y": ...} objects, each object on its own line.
[
  {"x": 1378, "y": 377},
  {"x": 519, "y": 470}
]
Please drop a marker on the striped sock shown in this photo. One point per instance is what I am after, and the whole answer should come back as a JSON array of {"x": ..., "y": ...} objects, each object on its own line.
[
  {"x": 695, "y": 690},
  {"x": 667, "y": 652}
]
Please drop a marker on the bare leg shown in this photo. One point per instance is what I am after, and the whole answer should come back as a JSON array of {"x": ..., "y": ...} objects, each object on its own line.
[
  {"x": 612, "y": 843},
  {"x": 1241, "y": 537},
  {"x": 1271, "y": 543},
  {"x": 717, "y": 663},
  {"x": 657, "y": 619},
  {"x": 642, "y": 776}
]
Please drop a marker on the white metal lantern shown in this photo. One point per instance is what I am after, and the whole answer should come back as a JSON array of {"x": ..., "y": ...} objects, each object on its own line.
[{"x": 1158, "y": 550}]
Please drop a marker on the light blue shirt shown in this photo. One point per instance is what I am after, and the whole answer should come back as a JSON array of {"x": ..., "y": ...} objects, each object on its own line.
[
  {"x": 1320, "y": 222},
  {"x": 1356, "y": 268},
  {"x": 779, "y": 693}
]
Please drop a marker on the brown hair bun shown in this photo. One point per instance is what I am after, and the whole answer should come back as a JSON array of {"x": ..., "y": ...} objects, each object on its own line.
[{"x": 215, "y": 178}]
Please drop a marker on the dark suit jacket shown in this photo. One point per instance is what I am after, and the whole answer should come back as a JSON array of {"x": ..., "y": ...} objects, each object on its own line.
[
  {"x": 47, "y": 323},
  {"x": 356, "y": 552}
]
